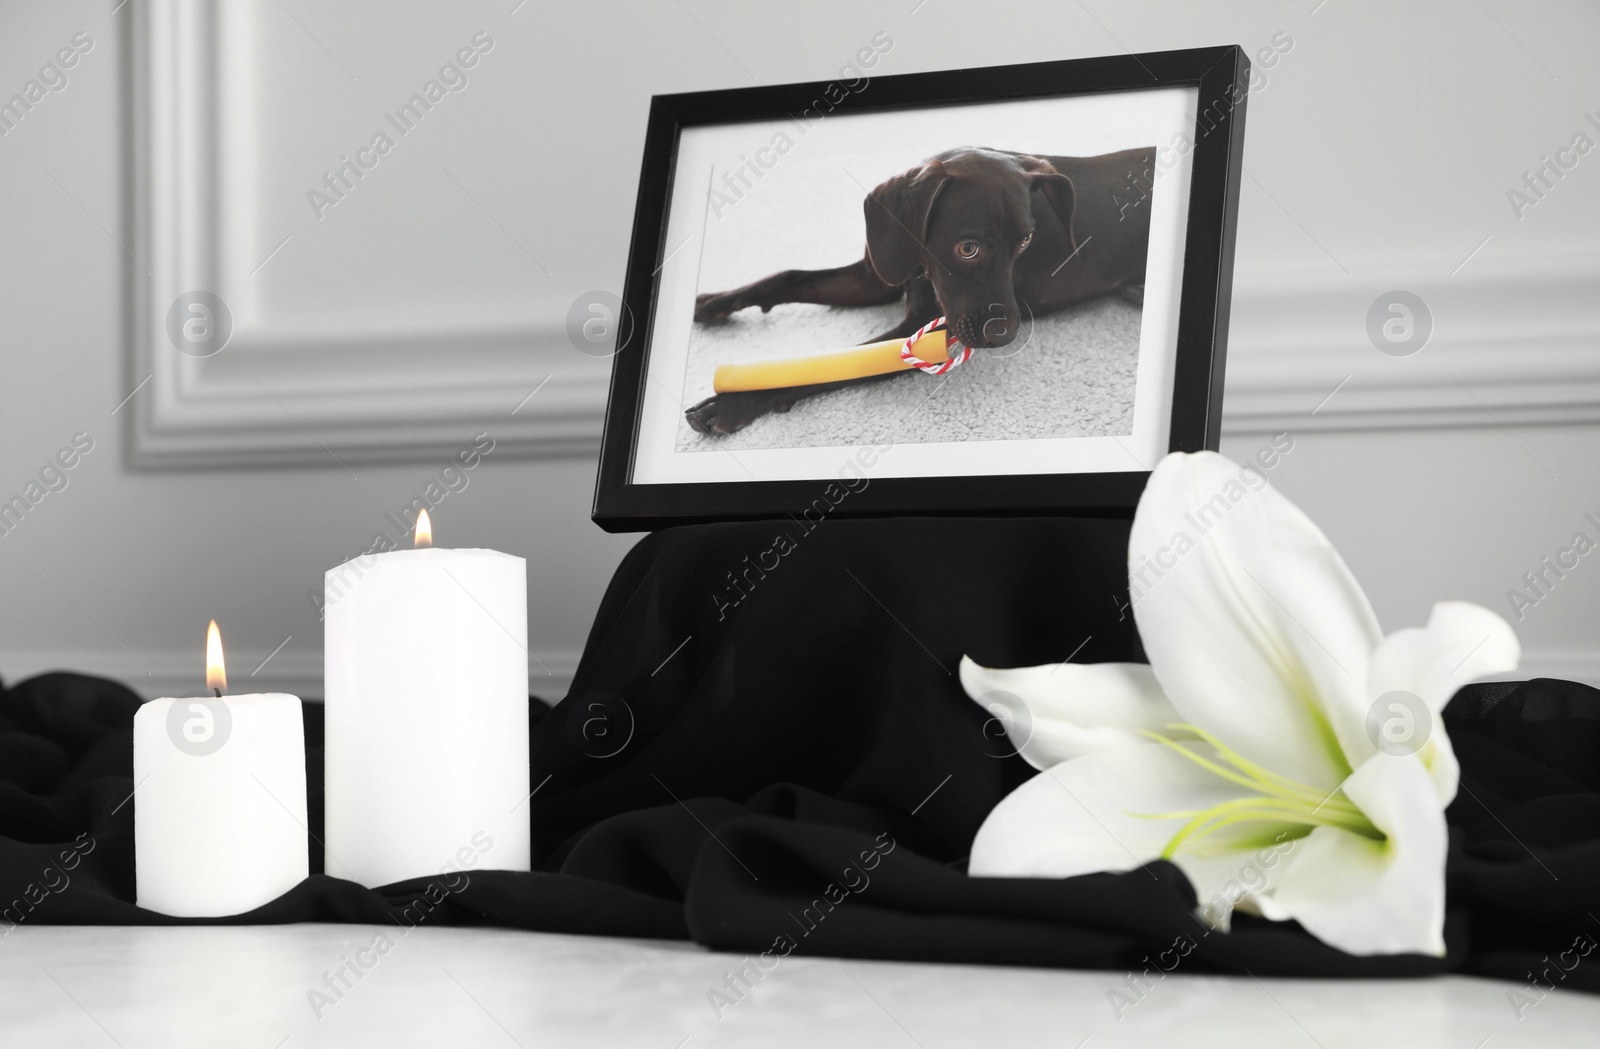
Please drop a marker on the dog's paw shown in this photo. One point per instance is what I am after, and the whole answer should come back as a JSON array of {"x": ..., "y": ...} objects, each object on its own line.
[
  {"x": 728, "y": 413},
  {"x": 716, "y": 306}
]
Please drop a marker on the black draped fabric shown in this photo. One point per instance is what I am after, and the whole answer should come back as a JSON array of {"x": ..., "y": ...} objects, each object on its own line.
[{"x": 766, "y": 750}]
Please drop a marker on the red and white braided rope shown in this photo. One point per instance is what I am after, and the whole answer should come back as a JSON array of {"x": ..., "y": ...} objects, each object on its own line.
[{"x": 951, "y": 344}]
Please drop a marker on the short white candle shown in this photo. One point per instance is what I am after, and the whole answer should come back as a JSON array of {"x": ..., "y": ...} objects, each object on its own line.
[
  {"x": 426, "y": 675},
  {"x": 219, "y": 804}
]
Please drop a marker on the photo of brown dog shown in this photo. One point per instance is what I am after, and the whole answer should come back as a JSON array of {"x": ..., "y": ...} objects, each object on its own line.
[{"x": 1036, "y": 261}]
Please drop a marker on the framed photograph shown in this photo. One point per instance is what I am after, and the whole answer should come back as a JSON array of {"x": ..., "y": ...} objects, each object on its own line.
[{"x": 986, "y": 291}]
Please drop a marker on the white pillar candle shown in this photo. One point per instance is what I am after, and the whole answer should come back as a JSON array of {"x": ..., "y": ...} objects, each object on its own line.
[
  {"x": 427, "y": 713},
  {"x": 219, "y": 803}
]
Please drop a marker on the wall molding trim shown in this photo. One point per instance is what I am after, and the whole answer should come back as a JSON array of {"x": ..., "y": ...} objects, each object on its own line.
[
  {"x": 1575, "y": 665},
  {"x": 174, "y": 673},
  {"x": 297, "y": 391},
  {"x": 1510, "y": 345},
  {"x": 296, "y": 673}
]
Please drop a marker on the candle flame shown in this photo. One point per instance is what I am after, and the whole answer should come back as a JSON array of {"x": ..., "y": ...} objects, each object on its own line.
[
  {"x": 424, "y": 533},
  {"x": 216, "y": 670}
]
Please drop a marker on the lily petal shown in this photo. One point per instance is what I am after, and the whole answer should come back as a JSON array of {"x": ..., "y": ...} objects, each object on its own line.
[
  {"x": 1066, "y": 710},
  {"x": 1439, "y": 758},
  {"x": 1094, "y": 813},
  {"x": 1373, "y": 897},
  {"x": 1253, "y": 624},
  {"x": 1461, "y": 643}
]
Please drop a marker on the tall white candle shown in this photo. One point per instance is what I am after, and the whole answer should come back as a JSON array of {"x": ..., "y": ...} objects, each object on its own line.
[
  {"x": 427, "y": 713},
  {"x": 219, "y": 802}
]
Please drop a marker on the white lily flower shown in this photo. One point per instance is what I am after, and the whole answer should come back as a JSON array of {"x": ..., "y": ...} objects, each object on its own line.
[{"x": 1256, "y": 751}]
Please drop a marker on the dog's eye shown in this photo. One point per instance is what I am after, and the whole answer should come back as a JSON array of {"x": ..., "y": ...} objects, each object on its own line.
[
  {"x": 1025, "y": 241},
  {"x": 968, "y": 249}
]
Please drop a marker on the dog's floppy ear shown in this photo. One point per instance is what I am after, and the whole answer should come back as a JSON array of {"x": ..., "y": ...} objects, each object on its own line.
[
  {"x": 1057, "y": 190},
  {"x": 897, "y": 221}
]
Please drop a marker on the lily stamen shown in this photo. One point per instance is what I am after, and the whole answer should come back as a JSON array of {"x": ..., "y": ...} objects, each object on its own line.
[
  {"x": 1276, "y": 799},
  {"x": 1247, "y": 774}
]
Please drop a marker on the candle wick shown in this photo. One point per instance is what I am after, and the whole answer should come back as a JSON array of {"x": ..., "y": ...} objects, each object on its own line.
[{"x": 218, "y": 691}]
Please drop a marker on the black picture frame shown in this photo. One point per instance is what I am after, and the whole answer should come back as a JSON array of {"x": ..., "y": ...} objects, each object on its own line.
[{"x": 1221, "y": 75}]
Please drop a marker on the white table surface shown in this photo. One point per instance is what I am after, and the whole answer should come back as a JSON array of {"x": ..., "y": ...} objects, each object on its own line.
[{"x": 247, "y": 987}]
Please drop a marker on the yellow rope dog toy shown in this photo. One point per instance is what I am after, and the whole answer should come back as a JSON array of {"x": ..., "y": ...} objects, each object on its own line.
[{"x": 925, "y": 349}]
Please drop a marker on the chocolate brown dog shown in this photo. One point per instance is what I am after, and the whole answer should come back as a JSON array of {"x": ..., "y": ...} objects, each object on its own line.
[{"x": 974, "y": 235}]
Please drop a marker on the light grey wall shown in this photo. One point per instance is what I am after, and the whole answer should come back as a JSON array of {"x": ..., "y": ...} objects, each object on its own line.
[{"x": 1380, "y": 151}]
